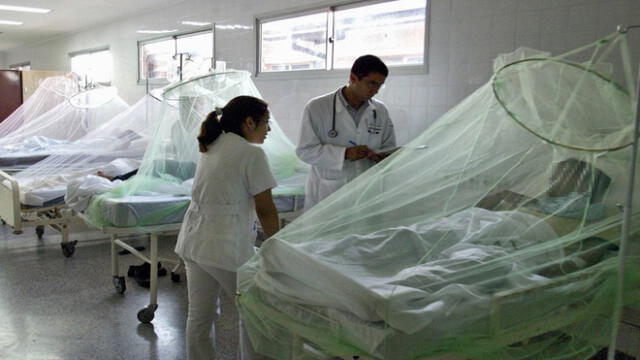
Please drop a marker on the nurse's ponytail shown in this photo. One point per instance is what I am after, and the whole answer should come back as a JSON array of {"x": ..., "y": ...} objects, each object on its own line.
[
  {"x": 230, "y": 119},
  {"x": 209, "y": 130}
]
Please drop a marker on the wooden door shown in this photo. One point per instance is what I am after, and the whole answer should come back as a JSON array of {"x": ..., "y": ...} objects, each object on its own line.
[{"x": 10, "y": 92}]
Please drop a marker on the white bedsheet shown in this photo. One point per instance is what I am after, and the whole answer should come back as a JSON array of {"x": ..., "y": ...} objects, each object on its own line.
[
  {"x": 34, "y": 143},
  {"x": 39, "y": 190}
]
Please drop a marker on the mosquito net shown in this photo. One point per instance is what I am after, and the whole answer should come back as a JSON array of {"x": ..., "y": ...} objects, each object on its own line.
[
  {"x": 160, "y": 191},
  {"x": 492, "y": 235},
  {"x": 51, "y": 92},
  {"x": 64, "y": 123},
  {"x": 114, "y": 147}
]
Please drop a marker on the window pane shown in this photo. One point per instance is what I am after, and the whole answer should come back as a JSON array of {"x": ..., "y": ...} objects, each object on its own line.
[
  {"x": 200, "y": 50},
  {"x": 393, "y": 31},
  {"x": 96, "y": 66},
  {"x": 155, "y": 59},
  {"x": 294, "y": 44}
]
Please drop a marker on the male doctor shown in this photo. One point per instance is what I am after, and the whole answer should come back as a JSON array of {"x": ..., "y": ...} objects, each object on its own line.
[{"x": 345, "y": 132}]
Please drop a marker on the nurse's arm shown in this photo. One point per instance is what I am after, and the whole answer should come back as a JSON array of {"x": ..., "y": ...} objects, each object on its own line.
[{"x": 267, "y": 213}]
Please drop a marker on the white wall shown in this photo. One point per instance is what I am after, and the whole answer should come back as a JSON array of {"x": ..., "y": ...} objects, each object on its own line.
[{"x": 465, "y": 36}]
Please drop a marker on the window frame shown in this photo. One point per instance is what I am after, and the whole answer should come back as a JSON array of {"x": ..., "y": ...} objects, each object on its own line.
[
  {"x": 91, "y": 51},
  {"x": 17, "y": 66},
  {"x": 174, "y": 37},
  {"x": 331, "y": 6}
]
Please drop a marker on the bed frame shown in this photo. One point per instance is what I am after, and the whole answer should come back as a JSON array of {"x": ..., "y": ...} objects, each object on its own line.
[
  {"x": 19, "y": 216},
  {"x": 507, "y": 336},
  {"x": 120, "y": 237}
]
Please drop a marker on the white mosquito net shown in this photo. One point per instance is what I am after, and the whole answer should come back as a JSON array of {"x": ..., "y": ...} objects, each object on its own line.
[
  {"x": 114, "y": 147},
  {"x": 164, "y": 180},
  {"x": 51, "y": 92},
  {"x": 63, "y": 123},
  {"x": 492, "y": 235}
]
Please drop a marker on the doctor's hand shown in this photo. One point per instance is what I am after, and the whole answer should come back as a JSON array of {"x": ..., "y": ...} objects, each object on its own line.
[{"x": 358, "y": 152}]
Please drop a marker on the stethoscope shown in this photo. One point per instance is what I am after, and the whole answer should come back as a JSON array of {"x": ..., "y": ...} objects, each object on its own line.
[{"x": 333, "y": 132}]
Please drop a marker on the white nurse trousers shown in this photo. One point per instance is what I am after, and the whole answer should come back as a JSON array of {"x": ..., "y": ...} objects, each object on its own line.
[{"x": 204, "y": 284}]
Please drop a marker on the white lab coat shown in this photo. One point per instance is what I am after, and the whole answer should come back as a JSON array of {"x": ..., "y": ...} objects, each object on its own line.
[{"x": 329, "y": 169}]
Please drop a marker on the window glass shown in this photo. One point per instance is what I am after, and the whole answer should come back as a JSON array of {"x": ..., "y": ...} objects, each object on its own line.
[
  {"x": 298, "y": 43},
  {"x": 334, "y": 38},
  {"x": 158, "y": 59},
  {"x": 197, "y": 45},
  {"x": 155, "y": 59},
  {"x": 393, "y": 31},
  {"x": 94, "y": 66},
  {"x": 199, "y": 48}
]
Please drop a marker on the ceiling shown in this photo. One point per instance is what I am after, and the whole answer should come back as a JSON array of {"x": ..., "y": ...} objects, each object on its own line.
[{"x": 67, "y": 16}]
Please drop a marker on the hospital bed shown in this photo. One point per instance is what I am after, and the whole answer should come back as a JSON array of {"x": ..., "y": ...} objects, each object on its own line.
[
  {"x": 507, "y": 316},
  {"x": 18, "y": 215},
  {"x": 132, "y": 216},
  {"x": 124, "y": 213},
  {"x": 22, "y": 207},
  {"x": 35, "y": 195},
  {"x": 503, "y": 306},
  {"x": 57, "y": 129},
  {"x": 12, "y": 163}
]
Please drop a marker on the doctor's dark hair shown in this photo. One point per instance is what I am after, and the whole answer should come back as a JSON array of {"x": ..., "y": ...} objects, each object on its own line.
[
  {"x": 231, "y": 119},
  {"x": 367, "y": 64}
]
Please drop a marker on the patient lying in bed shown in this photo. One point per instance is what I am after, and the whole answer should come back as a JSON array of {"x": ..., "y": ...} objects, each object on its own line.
[
  {"x": 575, "y": 192},
  {"x": 415, "y": 275}
]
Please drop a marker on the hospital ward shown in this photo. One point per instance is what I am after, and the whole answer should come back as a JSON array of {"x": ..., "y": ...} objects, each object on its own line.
[{"x": 320, "y": 180}]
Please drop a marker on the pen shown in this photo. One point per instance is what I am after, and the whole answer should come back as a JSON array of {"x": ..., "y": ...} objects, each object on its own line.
[{"x": 352, "y": 143}]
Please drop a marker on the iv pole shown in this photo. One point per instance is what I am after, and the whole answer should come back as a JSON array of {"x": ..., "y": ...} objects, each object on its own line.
[
  {"x": 626, "y": 220},
  {"x": 183, "y": 56}
]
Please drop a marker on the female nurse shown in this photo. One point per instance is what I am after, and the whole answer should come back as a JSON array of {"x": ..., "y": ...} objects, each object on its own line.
[{"x": 232, "y": 185}]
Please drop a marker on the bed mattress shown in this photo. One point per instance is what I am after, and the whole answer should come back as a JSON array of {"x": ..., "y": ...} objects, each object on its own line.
[
  {"x": 137, "y": 210},
  {"x": 21, "y": 160}
]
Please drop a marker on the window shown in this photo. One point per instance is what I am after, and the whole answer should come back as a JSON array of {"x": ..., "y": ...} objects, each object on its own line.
[
  {"x": 25, "y": 66},
  {"x": 159, "y": 59},
  {"x": 327, "y": 39},
  {"x": 93, "y": 65}
]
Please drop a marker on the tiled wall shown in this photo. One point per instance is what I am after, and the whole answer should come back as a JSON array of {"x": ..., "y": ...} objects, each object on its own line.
[{"x": 464, "y": 37}]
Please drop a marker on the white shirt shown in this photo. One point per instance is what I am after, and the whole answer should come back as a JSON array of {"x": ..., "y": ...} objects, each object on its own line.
[
  {"x": 329, "y": 169},
  {"x": 219, "y": 228}
]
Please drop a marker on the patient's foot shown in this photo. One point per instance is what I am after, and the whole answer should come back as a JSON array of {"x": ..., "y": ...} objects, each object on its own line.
[{"x": 102, "y": 174}]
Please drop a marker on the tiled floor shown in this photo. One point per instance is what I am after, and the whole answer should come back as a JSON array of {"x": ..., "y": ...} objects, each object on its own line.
[{"x": 57, "y": 308}]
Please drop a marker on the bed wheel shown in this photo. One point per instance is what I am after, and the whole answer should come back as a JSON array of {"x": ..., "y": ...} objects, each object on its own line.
[
  {"x": 39, "y": 231},
  {"x": 69, "y": 248},
  {"x": 146, "y": 315},
  {"x": 175, "y": 277},
  {"x": 120, "y": 284}
]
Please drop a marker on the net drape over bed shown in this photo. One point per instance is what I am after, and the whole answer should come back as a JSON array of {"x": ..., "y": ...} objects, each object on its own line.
[
  {"x": 114, "y": 147},
  {"x": 51, "y": 92},
  {"x": 492, "y": 235},
  {"x": 62, "y": 124},
  {"x": 168, "y": 166}
]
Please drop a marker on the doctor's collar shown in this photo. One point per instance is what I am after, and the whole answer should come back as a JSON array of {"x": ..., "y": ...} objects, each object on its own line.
[{"x": 345, "y": 103}]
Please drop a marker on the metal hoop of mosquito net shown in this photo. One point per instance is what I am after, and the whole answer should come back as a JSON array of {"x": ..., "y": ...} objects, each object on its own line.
[{"x": 495, "y": 84}]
